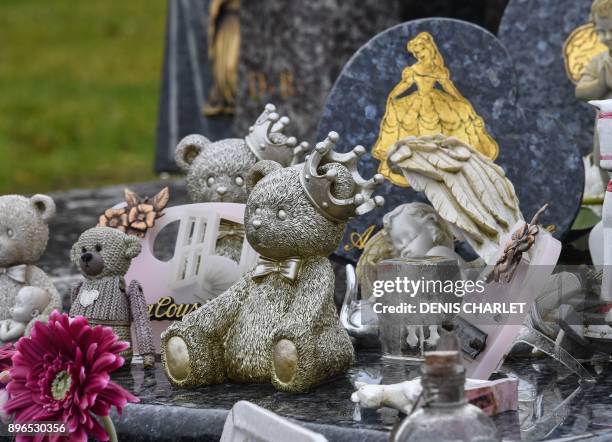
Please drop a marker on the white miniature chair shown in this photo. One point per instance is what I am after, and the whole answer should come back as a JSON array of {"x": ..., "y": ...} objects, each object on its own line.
[
  {"x": 195, "y": 273},
  {"x": 247, "y": 422}
]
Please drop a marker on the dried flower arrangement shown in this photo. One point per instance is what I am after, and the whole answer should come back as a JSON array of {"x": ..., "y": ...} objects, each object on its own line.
[{"x": 138, "y": 216}]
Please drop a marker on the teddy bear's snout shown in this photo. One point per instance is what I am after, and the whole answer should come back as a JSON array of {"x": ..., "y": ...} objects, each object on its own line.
[
  {"x": 256, "y": 223},
  {"x": 92, "y": 264},
  {"x": 221, "y": 190}
]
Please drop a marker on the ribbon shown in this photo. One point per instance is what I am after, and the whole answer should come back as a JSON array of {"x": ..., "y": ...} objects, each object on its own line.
[
  {"x": 605, "y": 115},
  {"x": 288, "y": 268},
  {"x": 16, "y": 273}
]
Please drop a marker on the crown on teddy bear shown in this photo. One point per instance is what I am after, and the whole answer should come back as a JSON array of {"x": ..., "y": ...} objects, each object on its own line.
[
  {"x": 267, "y": 141},
  {"x": 318, "y": 187}
]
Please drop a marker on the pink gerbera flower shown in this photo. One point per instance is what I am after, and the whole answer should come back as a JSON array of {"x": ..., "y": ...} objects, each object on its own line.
[
  {"x": 62, "y": 373},
  {"x": 6, "y": 353}
]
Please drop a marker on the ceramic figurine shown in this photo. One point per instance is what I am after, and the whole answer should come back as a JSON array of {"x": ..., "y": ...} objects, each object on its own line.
[
  {"x": 24, "y": 233},
  {"x": 493, "y": 397},
  {"x": 473, "y": 194},
  {"x": 466, "y": 188},
  {"x": 601, "y": 236},
  {"x": 216, "y": 171},
  {"x": 103, "y": 255},
  {"x": 595, "y": 83},
  {"x": 410, "y": 230},
  {"x": 29, "y": 303},
  {"x": 278, "y": 323},
  {"x": 470, "y": 195}
]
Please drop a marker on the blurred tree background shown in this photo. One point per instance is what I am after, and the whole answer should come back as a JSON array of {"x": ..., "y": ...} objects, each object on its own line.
[{"x": 79, "y": 88}]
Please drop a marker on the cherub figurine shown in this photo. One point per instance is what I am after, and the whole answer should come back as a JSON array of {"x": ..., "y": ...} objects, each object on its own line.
[
  {"x": 466, "y": 189},
  {"x": 410, "y": 230},
  {"x": 416, "y": 229},
  {"x": 596, "y": 80},
  {"x": 29, "y": 303}
]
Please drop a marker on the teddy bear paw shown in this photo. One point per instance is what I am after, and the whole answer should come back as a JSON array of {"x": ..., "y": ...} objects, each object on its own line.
[
  {"x": 285, "y": 360},
  {"x": 192, "y": 359},
  {"x": 177, "y": 359}
]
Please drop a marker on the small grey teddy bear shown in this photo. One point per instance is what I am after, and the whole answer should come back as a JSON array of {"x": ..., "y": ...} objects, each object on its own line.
[
  {"x": 24, "y": 233},
  {"x": 278, "y": 323},
  {"x": 103, "y": 255},
  {"x": 216, "y": 171}
]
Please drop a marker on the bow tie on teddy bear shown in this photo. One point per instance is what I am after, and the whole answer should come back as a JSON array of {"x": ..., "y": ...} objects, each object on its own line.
[
  {"x": 16, "y": 273},
  {"x": 288, "y": 268}
]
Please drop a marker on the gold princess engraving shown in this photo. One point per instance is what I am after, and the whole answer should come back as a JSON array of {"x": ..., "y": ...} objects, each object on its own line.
[
  {"x": 582, "y": 45},
  {"x": 428, "y": 110}
]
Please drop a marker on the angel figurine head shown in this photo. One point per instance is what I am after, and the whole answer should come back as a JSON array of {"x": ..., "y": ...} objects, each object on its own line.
[
  {"x": 601, "y": 15},
  {"x": 415, "y": 229}
]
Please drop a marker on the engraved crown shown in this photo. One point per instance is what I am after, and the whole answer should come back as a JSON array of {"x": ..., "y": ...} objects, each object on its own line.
[
  {"x": 267, "y": 141},
  {"x": 318, "y": 187}
]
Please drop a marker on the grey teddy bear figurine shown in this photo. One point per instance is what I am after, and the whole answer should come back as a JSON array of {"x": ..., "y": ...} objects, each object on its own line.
[
  {"x": 216, "y": 171},
  {"x": 279, "y": 323},
  {"x": 103, "y": 255},
  {"x": 24, "y": 233}
]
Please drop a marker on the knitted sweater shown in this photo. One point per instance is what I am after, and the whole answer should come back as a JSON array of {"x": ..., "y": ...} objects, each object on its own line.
[{"x": 105, "y": 301}]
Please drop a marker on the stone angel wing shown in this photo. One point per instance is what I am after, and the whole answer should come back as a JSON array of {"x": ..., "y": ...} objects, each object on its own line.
[{"x": 467, "y": 189}]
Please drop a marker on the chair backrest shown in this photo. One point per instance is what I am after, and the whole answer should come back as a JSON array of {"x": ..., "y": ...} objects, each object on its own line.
[
  {"x": 195, "y": 273},
  {"x": 247, "y": 422}
]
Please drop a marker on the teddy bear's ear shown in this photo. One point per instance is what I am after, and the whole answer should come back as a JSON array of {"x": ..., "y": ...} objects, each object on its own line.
[
  {"x": 132, "y": 247},
  {"x": 75, "y": 253},
  {"x": 188, "y": 149},
  {"x": 260, "y": 170},
  {"x": 44, "y": 205}
]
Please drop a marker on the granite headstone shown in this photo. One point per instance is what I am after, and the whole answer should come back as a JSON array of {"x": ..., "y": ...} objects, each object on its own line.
[
  {"x": 538, "y": 155},
  {"x": 186, "y": 82},
  {"x": 291, "y": 53},
  {"x": 534, "y": 32}
]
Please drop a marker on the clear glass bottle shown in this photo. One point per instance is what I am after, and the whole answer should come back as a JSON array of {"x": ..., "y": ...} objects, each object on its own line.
[{"x": 445, "y": 415}]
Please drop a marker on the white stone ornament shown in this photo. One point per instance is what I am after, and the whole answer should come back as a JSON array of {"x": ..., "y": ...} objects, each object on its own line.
[
  {"x": 88, "y": 297},
  {"x": 468, "y": 190},
  {"x": 604, "y": 131},
  {"x": 602, "y": 232}
]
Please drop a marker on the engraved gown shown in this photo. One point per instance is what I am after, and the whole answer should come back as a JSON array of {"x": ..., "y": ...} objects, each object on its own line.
[{"x": 428, "y": 111}]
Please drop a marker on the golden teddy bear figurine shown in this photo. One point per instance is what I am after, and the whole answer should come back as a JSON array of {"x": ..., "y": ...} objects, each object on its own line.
[{"x": 279, "y": 323}]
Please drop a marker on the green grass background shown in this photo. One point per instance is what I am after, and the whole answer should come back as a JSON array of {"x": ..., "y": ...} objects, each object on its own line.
[{"x": 79, "y": 88}]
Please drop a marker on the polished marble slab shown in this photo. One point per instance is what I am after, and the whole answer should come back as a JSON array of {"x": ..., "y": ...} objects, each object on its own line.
[{"x": 554, "y": 404}]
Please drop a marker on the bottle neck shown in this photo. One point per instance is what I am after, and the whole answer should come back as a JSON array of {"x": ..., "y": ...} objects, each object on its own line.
[{"x": 443, "y": 391}]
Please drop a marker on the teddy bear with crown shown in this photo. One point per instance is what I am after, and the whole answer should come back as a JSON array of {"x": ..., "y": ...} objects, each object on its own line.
[{"x": 278, "y": 324}]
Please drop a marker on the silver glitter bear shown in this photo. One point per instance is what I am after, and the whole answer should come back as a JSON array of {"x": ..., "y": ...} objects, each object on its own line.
[{"x": 278, "y": 323}]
